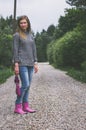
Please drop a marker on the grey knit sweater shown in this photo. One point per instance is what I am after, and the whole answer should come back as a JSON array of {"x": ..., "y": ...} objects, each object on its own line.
[{"x": 24, "y": 50}]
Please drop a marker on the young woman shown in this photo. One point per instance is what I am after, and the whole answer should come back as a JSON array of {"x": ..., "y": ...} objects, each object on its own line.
[{"x": 25, "y": 61}]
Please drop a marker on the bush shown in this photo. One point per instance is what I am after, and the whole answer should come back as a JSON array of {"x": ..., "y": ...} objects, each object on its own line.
[
  {"x": 70, "y": 50},
  {"x": 78, "y": 75},
  {"x": 83, "y": 66},
  {"x": 4, "y": 74}
]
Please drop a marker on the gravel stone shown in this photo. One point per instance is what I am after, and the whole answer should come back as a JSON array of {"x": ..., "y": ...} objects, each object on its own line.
[{"x": 60, "y": 102}]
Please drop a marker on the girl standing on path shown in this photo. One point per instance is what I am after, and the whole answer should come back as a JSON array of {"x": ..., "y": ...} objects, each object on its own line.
[{"x": 25, "y": 61}]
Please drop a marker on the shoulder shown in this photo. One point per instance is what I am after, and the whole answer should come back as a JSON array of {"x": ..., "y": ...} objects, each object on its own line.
[
  {"x": 32, "y": 36},
  {"x": 16, "y": 34}
]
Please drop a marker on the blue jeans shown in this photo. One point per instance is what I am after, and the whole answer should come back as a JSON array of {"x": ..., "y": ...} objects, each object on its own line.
[{"x": 25, "y": 73}]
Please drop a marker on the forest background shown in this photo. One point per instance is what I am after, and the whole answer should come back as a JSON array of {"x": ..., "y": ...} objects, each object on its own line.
[{"x": 63, "y": 45}]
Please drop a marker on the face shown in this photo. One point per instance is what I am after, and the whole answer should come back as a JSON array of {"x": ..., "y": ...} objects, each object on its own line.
[{"x": 23, "y": 24}]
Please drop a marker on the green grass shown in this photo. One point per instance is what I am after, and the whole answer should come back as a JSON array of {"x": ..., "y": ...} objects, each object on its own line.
[
  {"x": 4, "y": 74},
  {"x": 78, "y": 75}
]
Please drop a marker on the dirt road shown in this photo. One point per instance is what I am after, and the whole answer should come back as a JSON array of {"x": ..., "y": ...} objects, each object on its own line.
[{"x": 60, "y": 102}]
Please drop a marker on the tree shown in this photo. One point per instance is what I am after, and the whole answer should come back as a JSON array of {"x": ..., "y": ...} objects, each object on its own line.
[
  {"x": 6, "y": 41},
  {"x": 42, "y": 40},
  {"x": 68, "y": 22},
  {"x": 6, "y": 50},
  {"x": 38, "y": 40},
  {"x": 50, "y": 30},
  {"x": 77, "y": 3}
]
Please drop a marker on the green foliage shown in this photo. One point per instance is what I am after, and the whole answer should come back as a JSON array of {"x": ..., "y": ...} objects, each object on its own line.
[
  {"x": 66, "y": 23},
  {"x": 4, "y": 74},
  {"x": 50, "y": 53},
  {"x": 71, "y": 49},
  {"x": 39, "y": 47},
  {"x": 68, "y": 50},
  {"x": 77, "y": 74},
  {"x": 50, "y": 30},
  {"x": 6, "y": 50},
  {"x": 77, "y": 3},
  {"x": 83, "y": 66},
  {"x": 6, "y": 41},
  {"x": 42, "y": 40},
  {"x": 69, "y": 21}
]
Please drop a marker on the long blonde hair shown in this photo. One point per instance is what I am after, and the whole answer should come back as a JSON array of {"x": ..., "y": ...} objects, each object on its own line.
[{"x": 21, "y": 32}]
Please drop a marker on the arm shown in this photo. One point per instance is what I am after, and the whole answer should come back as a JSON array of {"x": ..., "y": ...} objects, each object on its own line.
[
  {"x": 15, "y": 48},
  {"x": 35, "y": 57},
  {"x": 15, "y": 53}
]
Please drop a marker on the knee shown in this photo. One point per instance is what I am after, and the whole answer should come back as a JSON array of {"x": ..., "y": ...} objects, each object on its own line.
[{"x": 25, "y": 87}]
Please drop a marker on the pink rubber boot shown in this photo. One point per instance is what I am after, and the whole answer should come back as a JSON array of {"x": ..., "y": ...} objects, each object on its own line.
[
  {"x": 26, "y": 108},
  {"x": 18, "y": 109}
]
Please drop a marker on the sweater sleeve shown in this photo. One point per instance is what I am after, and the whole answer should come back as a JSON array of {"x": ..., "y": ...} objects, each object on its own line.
[
  {"x": 34, "y": 50},
  {"x": 15, "y": 48}
]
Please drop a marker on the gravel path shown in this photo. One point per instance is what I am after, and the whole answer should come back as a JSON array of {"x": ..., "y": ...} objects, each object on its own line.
[{"x": 60, "y": 102}]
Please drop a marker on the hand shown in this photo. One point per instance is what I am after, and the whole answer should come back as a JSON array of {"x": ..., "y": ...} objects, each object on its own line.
[
  {"x": 16, "y": 68},
  {"x": 36, "y": 68}
]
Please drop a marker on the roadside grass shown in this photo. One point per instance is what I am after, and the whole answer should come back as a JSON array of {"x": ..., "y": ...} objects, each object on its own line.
[
  {"x": 77, "y": 74},
  {"x": 5, "y": 73}
]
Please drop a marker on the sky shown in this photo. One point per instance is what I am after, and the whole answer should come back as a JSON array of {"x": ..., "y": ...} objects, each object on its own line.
[{"x": 42, "y": 13}]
